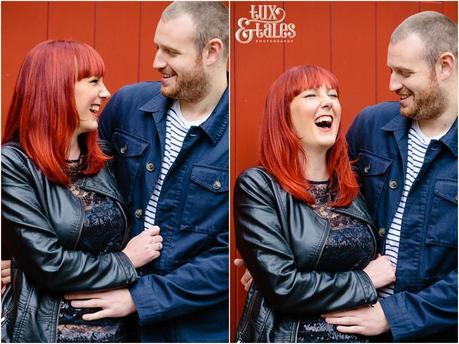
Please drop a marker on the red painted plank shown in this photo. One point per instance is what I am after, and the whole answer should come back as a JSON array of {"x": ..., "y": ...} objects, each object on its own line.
[
  {"x": 72, "y": 20},
  {"x": 450, "y": 9},
  {"x": 431, "y": 6},
  {"x": 150, "y": 14},
  {"x": 117, "y": 40},
  {"x": 353, "y": 55},
  {"x": 256, "y": 65},
  {"x": 24, "y": 24},
  {"x": 389, "y": 16},
  {"x": 312, "y": 42}
]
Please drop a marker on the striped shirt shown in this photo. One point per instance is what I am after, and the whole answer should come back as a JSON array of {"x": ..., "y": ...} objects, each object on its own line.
[
  {"x": 417, "y": 147},
  {"x": 176, "y": 129}
]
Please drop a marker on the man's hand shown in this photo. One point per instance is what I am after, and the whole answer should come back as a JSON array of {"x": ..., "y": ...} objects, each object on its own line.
[
  {"x": 365, "y": 320},
  {"x": 6, "y": 274},
  {"x": 246, "y": 279},
  {"x": 114, "y": 303}
]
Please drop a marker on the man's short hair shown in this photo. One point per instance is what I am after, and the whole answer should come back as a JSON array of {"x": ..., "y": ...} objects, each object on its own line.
[
  {"x": 437, "y": 31},
  {"x": 210, "y": 19}
]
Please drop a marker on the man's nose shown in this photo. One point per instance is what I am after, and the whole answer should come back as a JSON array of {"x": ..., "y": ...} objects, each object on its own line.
[
  {"x": 394, "y": 83},
  {"x": 159, "y": 62}
]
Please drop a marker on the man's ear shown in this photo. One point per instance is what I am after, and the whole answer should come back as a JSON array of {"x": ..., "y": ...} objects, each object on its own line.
[
  {"x": 213, "y": 51},
  {"x": 446, "y": 64}
]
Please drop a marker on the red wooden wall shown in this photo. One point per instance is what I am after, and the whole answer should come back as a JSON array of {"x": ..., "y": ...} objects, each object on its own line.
[
  {"x": 348, "y": 38},
  {"x": 122, "y": 32}
]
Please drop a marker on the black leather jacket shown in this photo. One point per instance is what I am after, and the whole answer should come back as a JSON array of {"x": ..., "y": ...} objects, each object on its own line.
[
  {"x": 41, "y": 225},
  {"x": 281, "y": 240}
]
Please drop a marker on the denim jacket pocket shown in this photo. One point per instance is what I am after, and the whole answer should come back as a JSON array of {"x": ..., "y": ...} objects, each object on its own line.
[
  {"x": 439, "y": 256},
  {"x": 206, "y": 205},
  {"x": 372, "y": 170},
  {"x": 442, "y": 228},
  {"x": 129, "y": 150}
]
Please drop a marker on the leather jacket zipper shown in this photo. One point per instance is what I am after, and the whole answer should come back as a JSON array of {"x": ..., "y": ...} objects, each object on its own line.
[
  {"x": 374, "y": 240},
  {"x": 54, "y": 340},
  {"x": 81, "y": 223},
  {"x": 327, "y": 233},
  {"x": 126, "y": 226},
  {"x": 296, "y": 331},
  {"x": 249, "y": 311}
]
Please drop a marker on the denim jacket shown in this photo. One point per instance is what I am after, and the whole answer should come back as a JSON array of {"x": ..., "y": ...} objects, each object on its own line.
[
  {"x": 424, "y": 305},
  {"x": 182, "y": 295}
]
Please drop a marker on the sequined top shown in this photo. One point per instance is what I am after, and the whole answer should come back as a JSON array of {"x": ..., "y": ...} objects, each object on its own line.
[
  {"x": 350, "y": 246},
  {"x": 103, "y": 231}
]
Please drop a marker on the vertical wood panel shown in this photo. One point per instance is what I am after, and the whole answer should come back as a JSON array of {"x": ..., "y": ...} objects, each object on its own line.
[
  {"x": 450, "y": 9},
  {"x": 255, "y": 66},
  {"x": 72, "y": 20},
  {"x": 24, "y": 24},
  {"x": 389, "y": 16},
  {"x": 117, "y": 40},
  {"x": 353, "y": 55},
  {"x": 150, "y": 14},
  {"x": 312, "y": 35},
  {"x": 431, "y": 6}
]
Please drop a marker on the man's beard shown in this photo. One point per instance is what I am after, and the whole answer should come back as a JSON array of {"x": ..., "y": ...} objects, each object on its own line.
[
  {"x": 429, "y": 103},
  {"x": 190, "y": 86}
]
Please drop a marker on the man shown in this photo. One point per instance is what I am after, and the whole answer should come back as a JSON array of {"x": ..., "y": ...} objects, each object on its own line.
[
  {"x": 407, "y": 159},
  {"x": 170, "y": 142},
  {"x": 408, "y": 167}
]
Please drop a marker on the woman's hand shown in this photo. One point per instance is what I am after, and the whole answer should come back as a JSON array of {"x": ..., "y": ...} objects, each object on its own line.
[
  {"x": 145, "y": 247},
  {"x": 6, "y": 274},
  {"x": 246, "y": 279},
  {"x": 381, "y": 271}
]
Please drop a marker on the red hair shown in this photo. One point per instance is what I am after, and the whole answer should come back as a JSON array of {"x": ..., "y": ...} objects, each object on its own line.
[
  {"x": 43, "y": 117},
  {"x": 281, "y": 152}
]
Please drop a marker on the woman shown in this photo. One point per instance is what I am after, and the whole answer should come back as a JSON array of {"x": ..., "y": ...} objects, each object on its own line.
[
  {"x": 63, "y": 220},
  {"x": 302, "y": 229}
]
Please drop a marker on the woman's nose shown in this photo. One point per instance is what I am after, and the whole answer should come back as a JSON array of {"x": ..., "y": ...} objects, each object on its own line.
[{"x": 104, "y": 93}]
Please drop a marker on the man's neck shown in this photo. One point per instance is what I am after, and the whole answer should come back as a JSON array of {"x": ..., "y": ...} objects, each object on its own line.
[
  {"x": 440, "y": 125},
  {"x": 197, "y": 110}
]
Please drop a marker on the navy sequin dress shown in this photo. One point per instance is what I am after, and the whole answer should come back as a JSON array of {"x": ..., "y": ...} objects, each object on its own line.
[
  {"x": 350, "y": 246},
  {"x": 103, "y": 232}
]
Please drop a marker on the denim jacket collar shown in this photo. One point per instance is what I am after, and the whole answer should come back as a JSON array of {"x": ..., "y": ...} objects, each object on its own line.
[
  {"x": 400, "y": 126},
  {"x": 214, "y": 126}
]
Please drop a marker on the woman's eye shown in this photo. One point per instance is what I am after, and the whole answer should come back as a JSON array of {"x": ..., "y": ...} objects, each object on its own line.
[
  {"x": 333, "y": 95},
  {"x": 309, "y": 95},
  {"x": 94, "y": 81}
]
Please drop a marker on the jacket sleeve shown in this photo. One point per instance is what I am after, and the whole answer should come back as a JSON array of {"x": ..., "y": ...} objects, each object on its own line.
[
  {"x": 415, "y": 315},
  {"x": 200, "y": 283},
  {"x": 33, "y": 242},
  {"x": 268, "y": 256}
]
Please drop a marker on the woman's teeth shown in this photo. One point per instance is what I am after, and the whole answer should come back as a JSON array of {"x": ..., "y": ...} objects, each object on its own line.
[
  {"x": 94, "y": 108},
  {"x": 324, "y": 121}
]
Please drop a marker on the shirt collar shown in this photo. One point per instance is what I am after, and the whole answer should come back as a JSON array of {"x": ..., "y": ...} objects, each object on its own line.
[
  {"x": 214, "y": 126},
  {"x": 400, "y": 125}
]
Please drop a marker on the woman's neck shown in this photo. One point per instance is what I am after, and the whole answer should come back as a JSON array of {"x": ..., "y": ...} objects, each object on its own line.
[
  {"x": 74, "y": 150},
  {"x": 316, "y": 166}
]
